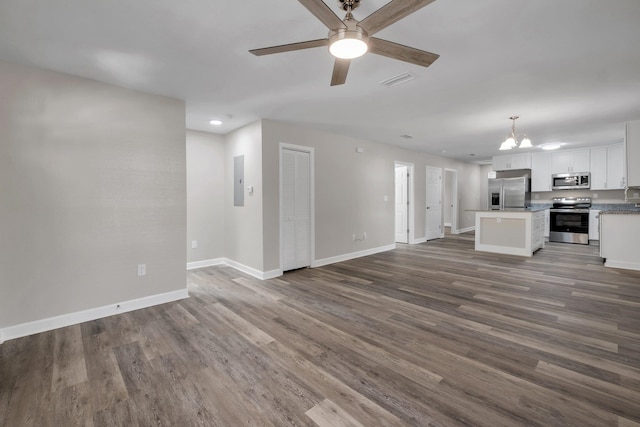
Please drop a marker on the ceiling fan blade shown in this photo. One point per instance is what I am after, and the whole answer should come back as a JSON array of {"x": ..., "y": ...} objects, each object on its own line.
[
  {"x": 401, "y": 52},
  {"x": 289, "y": 47},
  {"x": 391, "y": 12},
  {"x": 340, "y": 70},
  {"x": 324, "y": 13}
]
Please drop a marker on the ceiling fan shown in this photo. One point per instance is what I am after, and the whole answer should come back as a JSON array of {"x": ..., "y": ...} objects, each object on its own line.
[{"x": 349, "y": 38}]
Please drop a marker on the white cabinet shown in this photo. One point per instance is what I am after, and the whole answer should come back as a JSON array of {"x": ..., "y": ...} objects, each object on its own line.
[
  {"x": 541, "y": 172},
  {"x": 512, "y": 161},
  {"x": 570, "y": 161},
  {"x": 509, "y": 232},
  {"x": 619, "y": 240},
  {"x": 547, "y": 223},
  {"x": 616, "y": 168},
  {"x": 608, "y": 170},
  {"x": 594, "y": 224},
  {"x": 632, "y": 143},
  {"x": 537, "y": 234},
  {"x": 599, "y": 168}
]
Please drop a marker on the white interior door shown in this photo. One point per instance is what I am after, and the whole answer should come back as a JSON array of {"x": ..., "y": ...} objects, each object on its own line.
[
  {"x": 446, "y": 200},
  {"x": 402, "y": 200},
  {"x": 296, "y": 209},
  {"x": 451, "y": 185},
  {"x": 434, "y": 203}
]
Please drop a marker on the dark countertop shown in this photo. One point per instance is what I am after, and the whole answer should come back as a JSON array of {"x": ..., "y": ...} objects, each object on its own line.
[
  {"x": 531, "y": 209},
  {"x": 624, "y": 212},
  {"x": 617, "y": 208}
]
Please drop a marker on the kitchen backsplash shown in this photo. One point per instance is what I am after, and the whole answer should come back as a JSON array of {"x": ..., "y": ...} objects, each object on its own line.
[{"x": 603, "y": 197}]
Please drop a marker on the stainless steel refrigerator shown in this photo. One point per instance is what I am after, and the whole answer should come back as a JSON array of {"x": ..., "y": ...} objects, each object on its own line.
[{"x": 509, "y": 193}]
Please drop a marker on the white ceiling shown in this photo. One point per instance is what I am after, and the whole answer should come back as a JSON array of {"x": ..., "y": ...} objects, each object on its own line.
[{"x": 569, "y": 68}]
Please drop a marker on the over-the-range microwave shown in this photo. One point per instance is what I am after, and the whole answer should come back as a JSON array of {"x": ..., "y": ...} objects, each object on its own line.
[{"x": 571, "y": 181}]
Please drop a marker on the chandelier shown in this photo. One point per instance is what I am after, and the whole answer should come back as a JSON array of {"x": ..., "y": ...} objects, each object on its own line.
[{"x": 512, "y": 140}]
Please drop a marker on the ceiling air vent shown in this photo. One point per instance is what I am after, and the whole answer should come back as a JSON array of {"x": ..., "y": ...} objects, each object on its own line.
[{"x": 398, "y": 80}]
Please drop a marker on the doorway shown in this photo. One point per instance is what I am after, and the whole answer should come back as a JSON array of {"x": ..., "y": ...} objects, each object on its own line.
[
  {"x": 404, "y": 214},
  {"x": 433, "y": 227},
  {"x": 450, "y": 200},
  {"x": 296, "y": 207}
]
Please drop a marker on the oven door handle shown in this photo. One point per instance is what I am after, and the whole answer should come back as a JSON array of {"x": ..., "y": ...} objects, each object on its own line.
[{"x": 581, "y": 211}]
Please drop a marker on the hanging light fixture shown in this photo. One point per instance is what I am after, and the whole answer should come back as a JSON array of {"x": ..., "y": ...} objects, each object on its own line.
[{"x": 512, "y": 140}]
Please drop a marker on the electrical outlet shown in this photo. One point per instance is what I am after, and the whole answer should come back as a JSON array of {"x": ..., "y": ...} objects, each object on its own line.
[
  {"x": 194, "y": 244},
  {"x": 354, "y": 237},
  {"x": 595, "y": 195},
  {"x": 364, "y": 235},
  {"x": 142, "y": 269}
]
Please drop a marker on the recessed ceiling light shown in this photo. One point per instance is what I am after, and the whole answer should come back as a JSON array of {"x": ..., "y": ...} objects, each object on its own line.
[
  {"x": 215, "y": 122},
  {"x": 405, "y": 136}
]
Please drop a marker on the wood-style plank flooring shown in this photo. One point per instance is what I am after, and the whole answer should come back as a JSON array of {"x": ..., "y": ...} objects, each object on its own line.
[{"x": 426, "y": 335}]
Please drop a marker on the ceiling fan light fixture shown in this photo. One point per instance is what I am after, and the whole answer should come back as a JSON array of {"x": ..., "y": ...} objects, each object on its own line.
[{"x": 348, "y": 43}]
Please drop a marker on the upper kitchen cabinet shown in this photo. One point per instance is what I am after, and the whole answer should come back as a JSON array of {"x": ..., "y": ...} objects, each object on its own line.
[
  {"x": 616, "y": 167},
  {"x": 632, "y": 143},
  {"x": 598, "y": 168},
  {"x": 608, "y": 168},
  {"x": 541, "y": 172},
  {"x": 570, "y": 161},
  {"x": 512, "y": 161}
]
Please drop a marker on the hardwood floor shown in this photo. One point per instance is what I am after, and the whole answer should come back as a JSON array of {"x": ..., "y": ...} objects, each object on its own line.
[{"x": 426, "y": 335}]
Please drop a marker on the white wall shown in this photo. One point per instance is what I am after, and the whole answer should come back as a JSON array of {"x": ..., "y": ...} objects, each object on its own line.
[
  {"x": 205, "y": 195},
  {"x": 243, "y": 224},
  {"x": 350, "y": 188},
  {"x": 92, "y": 183}
]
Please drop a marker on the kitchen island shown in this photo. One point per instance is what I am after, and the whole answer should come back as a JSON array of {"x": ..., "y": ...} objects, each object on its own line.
[
  {"x": 510, "y": 231},
  {"x": 619, "y": 237}
]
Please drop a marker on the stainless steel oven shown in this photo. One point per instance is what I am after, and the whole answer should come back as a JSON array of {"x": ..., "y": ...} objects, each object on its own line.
[{"x": 569, "y": 220}]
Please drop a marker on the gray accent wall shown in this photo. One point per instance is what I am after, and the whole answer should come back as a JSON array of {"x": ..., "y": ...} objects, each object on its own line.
[
  {"x": 96, "y": 179},
  {"x": 92, "y": 183}
]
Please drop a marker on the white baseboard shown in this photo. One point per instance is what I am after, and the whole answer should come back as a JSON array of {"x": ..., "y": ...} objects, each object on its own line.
[
  {"x": 622, "y": 264},
  {"x": 418, "y": 241},
  {"x": 262, "y": 275},
  {"x": 352, "y": 255},
  {"x": 465, "y": 230},
  {"x": 69, "y": 319},
  {"x": 205, "y": 263},
  {"x": 272, "y": 274}
]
